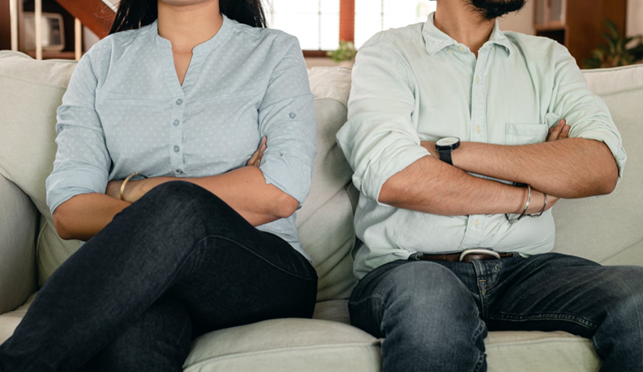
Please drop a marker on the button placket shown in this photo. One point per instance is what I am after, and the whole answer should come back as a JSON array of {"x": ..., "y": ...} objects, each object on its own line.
[
  {"x": 479, "y": 99},
  {"x": 176, "y": 144},
  {"x": 474, "y": 234}
]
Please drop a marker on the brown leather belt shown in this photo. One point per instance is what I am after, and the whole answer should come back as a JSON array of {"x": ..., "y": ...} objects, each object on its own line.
[{"x": 455, "y": 257}]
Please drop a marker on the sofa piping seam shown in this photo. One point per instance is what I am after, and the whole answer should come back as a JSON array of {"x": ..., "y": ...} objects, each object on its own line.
[{"x": 281, "y": 349}]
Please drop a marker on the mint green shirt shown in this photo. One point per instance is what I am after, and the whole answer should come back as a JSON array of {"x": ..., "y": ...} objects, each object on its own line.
[{"x": 418, "y": 84}]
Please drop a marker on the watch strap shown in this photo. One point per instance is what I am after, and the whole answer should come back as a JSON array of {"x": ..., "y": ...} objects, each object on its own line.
[{"x": 445, "y": 156}]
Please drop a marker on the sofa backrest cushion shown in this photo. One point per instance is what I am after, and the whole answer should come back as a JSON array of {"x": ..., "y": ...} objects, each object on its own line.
[
  {"x": 30, "y": 92},
  {"x": 609, "y": 229},
  {"x": 325, "y": 221}
]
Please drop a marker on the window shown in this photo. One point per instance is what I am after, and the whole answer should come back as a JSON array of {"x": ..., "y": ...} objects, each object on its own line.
[
  {"x": 373, "y": 16},
  {"x": 317, "y": 22},
  {"x": 314, "y": 22}
]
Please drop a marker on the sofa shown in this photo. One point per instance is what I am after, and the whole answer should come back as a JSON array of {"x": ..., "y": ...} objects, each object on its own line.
[{"x": 607, "y": 229}]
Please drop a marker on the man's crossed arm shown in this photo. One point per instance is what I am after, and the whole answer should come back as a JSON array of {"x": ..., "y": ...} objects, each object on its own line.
[{"x": 561, "y": 167}]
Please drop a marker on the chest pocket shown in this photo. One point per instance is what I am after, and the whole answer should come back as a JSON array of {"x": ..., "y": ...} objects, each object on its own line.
[{"x": 525, "y": 134}]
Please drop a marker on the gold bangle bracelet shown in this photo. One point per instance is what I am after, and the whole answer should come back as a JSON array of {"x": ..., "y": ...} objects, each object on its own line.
[{"x": 125, "y": 183}]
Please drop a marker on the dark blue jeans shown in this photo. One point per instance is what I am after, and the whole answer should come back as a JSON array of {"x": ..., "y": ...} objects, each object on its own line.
[
  {"x": 174, "y": 265},
  {"x": 434, "y": 316}
]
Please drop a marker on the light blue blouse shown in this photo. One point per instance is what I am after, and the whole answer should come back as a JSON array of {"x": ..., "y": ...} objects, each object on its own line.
[{"x": 125, "y": 111}]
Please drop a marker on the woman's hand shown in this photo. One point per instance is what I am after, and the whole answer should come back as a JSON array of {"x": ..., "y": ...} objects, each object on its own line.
[
  {"x": 255, "y": 160},
  {"x": 114, "y": 189},
  {"x": 559, "y": 131}
]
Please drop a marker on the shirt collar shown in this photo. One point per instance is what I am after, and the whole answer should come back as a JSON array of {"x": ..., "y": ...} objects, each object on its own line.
[
  {"x": 436, "y": 40},
  {"x": 206, "y": 46}
]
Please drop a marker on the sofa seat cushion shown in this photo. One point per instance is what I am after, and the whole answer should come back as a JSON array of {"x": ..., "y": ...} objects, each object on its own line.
[
  {"x": 9, "y": 321},
  {"x": 286, "y": 345},
  {"x": 328, "y": 343}
]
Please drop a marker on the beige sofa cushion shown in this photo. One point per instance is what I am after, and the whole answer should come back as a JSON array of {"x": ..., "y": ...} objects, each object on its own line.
[
  {"x": 325, "y": 221},
  {"x": 17, "y": 241},
  {"x": 608, "y": 229},
  {"x": 327, "y": 343},
  {"x": 30, "y": 93}
]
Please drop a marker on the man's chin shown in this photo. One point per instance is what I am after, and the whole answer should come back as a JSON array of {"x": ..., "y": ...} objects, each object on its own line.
[{"x": 491, "y": 9}]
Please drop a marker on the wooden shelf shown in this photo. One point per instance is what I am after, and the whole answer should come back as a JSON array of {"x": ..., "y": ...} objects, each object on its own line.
[
  {"x": 577, "y": 24},
  {"x": 551, "y": 26},
  {"x": 50, "y": 54}
]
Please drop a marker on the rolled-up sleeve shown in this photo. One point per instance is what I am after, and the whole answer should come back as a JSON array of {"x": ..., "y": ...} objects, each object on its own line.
[
  {"x": 586, "y": 113},
  {"x": 287, "y": 119},
  {"x": 82, "y": 161},
  {"x": 380, "y": 139}
]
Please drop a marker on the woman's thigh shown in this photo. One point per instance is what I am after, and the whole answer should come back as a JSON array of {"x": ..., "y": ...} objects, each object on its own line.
[{"x": 245, "y": 278}]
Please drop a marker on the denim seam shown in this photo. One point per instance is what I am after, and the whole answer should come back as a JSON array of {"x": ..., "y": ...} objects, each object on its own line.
[
  {"x": 371, "y": 297},
  {"x": 254, "y": 254},
  {"x": 479, "y": 330},
  {"x": 547, "y": 316},
  {"x": 187, "y": 326},
  {"x": 598, "y": 350},
  {"x": 481, "y": 354},
  {"x": 497, "y": 273},
  {"x": 480, "y": 362}
]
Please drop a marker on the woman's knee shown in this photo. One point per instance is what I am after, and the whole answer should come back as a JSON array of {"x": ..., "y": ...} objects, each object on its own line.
[
  {"x": 179, "y": 204},
  {"x": 178, "y": 194}
]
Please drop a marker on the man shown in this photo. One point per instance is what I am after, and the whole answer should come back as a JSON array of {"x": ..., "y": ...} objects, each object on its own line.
[{"x": 495, "y": 104}]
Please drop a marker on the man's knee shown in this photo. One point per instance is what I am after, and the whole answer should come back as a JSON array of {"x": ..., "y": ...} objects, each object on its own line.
[{"x": 625, "y": 284}]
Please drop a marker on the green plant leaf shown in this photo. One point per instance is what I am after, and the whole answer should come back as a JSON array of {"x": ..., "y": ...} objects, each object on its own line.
[{"x": 612, "y": 28}]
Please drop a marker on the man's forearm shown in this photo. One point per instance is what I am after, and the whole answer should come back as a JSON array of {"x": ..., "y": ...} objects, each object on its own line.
[
  {"x": 431, "y": 186},
  {"x": 569, "y": 168}
]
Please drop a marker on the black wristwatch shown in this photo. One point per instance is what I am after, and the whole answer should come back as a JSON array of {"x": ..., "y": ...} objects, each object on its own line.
[{"x": 445, "y": 146}]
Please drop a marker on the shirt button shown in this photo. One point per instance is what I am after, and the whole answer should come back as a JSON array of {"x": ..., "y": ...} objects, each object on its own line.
[
  {"x": 177, "y": 149},
  {"x": 461, "y": 49},
  {"x": 179, "y": 101},
  {"x": 478, "y": 130},
  {"x": 176, "y": 123},
  {"x": 179, "y": 171},
  {"x": 478, "y": 79},
  {"x": 476, "y": 222}
]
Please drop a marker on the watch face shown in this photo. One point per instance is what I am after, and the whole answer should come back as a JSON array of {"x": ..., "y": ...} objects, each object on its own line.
[{"x": 448, "y": 141}]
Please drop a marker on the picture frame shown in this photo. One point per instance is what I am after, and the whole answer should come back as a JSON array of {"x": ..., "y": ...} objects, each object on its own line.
[{"x": 53, "y": 31}]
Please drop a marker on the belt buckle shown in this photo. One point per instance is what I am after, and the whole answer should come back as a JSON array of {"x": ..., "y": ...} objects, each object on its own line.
[{"x": 487, "y": 252}]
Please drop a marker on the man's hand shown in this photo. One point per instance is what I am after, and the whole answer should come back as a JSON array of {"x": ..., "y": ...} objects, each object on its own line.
[{"x": 559, "y": 131}]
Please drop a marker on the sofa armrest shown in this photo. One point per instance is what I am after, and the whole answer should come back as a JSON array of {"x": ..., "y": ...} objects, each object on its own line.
[{"x": 18, "y": 224}]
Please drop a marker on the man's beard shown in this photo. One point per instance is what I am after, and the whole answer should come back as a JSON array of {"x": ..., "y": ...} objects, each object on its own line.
[{"x": 491, "y": 9}]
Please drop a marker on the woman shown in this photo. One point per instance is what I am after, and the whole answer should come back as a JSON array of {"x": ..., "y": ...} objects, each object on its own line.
[{"x": 183, "y": 90}]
